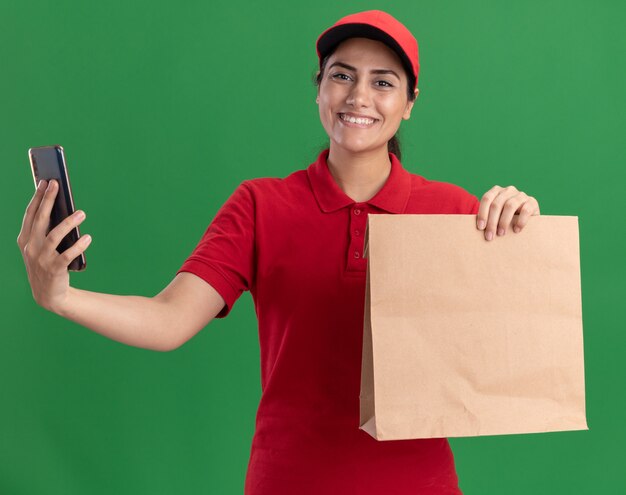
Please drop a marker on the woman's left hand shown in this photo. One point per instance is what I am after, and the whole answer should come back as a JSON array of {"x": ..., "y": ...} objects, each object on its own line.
[{"x": 497, "y": 207}]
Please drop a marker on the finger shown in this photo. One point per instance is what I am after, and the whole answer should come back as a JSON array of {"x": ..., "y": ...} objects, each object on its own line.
[
  {"x": 29, "y": 214},
  {"x": 495, "y": 210},
  {"x": 511, "y": 206},
  {"x": 73, "y": 252},
  {"x": 528, "y": 209},
  {"x": 485, "y": 204},
  {"x": 42, "y": 217},
  {"x": 56, "y": 235}
]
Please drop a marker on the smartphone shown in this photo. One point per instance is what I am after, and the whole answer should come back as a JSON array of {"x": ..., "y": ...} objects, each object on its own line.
[{"x": 48, "y": 162}]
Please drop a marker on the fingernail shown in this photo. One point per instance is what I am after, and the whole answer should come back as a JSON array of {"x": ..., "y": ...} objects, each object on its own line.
[
  {"x": 500, "y": 231},
  {"x": 41, "y": 184},
  {"x": 489, "y": 235},
  {"x": 481, "y": 224},
  {"x": 80, "y": 214},
  {"x": 516, "y": 229}
]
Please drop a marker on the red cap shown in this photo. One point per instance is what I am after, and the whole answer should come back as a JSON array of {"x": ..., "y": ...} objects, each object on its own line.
[{"x": 375, "y": 25}]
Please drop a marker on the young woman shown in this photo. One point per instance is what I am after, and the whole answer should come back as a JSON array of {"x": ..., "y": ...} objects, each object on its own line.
[{"x": 296, "y": 243}]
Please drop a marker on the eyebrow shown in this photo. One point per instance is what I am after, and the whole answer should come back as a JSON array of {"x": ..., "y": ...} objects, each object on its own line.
[{"x": 375, "y": 71}]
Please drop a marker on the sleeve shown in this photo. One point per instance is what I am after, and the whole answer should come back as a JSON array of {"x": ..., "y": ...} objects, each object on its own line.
[
  {"x": 460, "y": 200},
  {"x": 472, "y": 205},
  {"x": 225, "y": 256}
]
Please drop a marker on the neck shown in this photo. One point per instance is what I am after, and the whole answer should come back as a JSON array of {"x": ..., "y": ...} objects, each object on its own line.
[{"x": 359, "y": 175}]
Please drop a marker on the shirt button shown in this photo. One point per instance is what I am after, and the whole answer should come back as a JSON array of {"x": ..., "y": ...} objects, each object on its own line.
[
  {"x": 356, "y": 254},
  {"x": 356, "y": 232},
  {"x": 357, "y": 211}
]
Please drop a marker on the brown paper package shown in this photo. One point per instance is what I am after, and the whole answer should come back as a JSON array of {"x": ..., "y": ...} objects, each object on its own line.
[{"x": 467, "y": 337}]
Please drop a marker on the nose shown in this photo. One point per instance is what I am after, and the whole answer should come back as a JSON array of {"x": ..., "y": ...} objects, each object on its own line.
[{"x": 359, "y": 95}]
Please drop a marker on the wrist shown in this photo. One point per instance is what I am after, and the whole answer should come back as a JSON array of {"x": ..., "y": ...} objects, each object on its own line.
[{"x": 63, "y": 304}]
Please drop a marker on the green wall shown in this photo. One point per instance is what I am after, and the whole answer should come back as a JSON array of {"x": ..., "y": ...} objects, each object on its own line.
[{"x": 164, "y": 109}]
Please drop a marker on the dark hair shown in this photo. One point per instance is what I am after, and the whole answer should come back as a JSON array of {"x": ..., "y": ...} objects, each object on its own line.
[{"x": 393, "y": 145}]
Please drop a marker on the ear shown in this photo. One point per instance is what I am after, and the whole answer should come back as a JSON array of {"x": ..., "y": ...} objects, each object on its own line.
[{"x": 409, "y": 106}]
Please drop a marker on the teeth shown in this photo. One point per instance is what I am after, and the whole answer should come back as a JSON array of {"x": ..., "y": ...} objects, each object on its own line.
[{"x": 355, "y": 120}]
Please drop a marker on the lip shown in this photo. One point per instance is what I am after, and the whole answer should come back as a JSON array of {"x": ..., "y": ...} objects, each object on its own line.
[{"x": 356, "y": 116}]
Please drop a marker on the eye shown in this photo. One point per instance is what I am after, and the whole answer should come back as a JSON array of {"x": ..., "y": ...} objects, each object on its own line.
[
  {"x": 341, "y": 76},
  {"x": 384, "y": 84}
]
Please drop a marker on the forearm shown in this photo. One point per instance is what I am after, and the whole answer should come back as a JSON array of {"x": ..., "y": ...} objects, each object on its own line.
[{"x": 133, "y": 320}]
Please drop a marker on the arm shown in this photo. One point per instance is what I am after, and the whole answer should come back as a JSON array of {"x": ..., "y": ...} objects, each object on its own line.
[{"x": 161, "y": 323}]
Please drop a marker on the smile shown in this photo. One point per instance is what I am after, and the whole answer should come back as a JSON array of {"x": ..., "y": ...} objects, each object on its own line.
[{"x": 359, "y": 121}]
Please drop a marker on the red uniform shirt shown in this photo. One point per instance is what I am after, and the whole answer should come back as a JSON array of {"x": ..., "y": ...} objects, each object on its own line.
[{"x": 297, "y": 243}]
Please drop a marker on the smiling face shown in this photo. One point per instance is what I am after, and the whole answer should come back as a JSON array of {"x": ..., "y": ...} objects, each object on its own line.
[{"x": 362, "y": 95}]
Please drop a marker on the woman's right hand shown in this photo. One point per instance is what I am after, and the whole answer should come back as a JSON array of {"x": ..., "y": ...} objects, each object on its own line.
[{"x": 46, "y": 268}]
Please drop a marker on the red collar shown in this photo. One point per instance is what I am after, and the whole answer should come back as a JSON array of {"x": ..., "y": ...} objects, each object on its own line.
[{"x": 392, "y": 197}]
